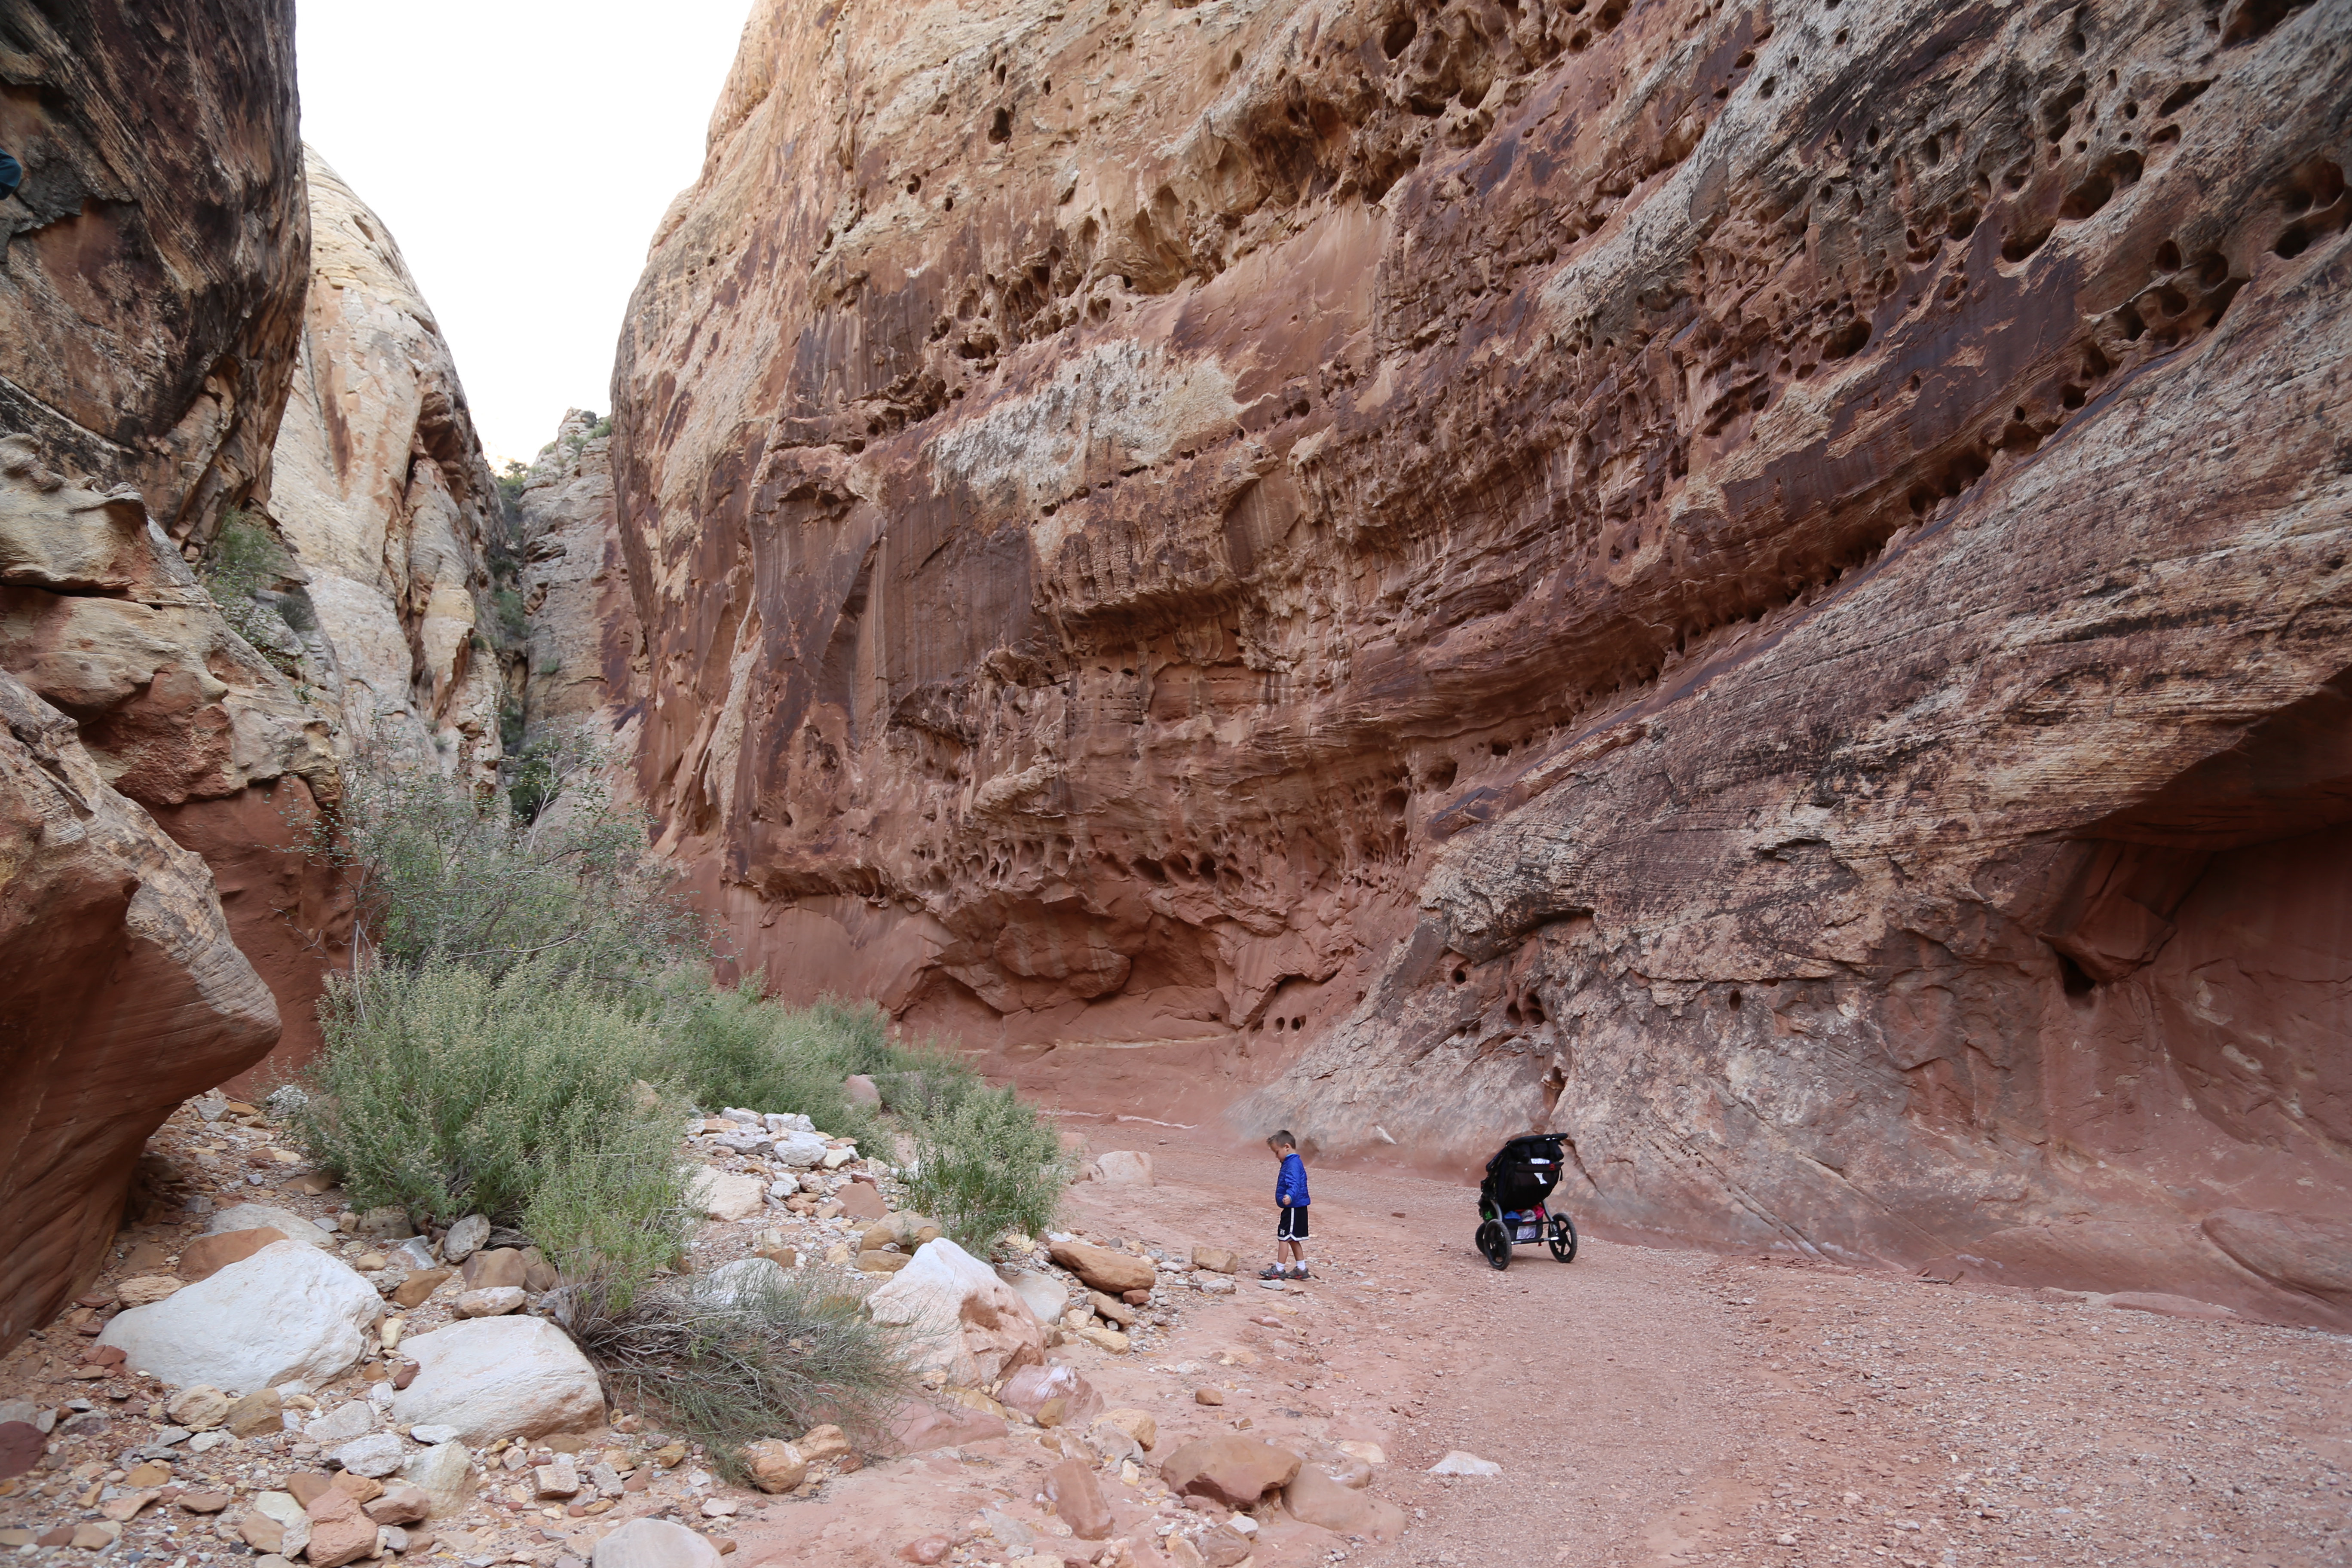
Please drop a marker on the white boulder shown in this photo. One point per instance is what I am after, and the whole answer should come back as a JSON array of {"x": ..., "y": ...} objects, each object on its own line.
[
  {"x": 655, "y": 1543},
  {"x": 966, "y": 1322},
  {"x": 1124, "y": 1168},
  {"x": 499, "y": 1377},
  {"x": 742, "y": 1282},
  {"x": 800, "y": 1150},
  {"x": 257, "y": 1217},
  {"x": 1045, "y": 1296},
  {"x": 289, "y": 1311},
  {"x": 722, "y": 1194},
  {"x": 375, "y": 1456},
  {"x": 466, "y": 1237},
  {"x": 352, "y": 1418}
]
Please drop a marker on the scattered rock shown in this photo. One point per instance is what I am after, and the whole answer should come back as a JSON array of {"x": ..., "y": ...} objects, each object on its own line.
[
  {"x": 1233, "y": 1471},
  {"x": 465, "y": 1239},
  {"x": 415, "y": 1290},
  {"x": 1044, "y": 1296},
  {"x": 560, "y": 1476},
  {"x": 96, "y": 1537},
  {"x": 500, "y": 1377},
  {"x": 375, "y": 1455},
  {"x": 1370, "y": 1453},
  {"x": 493, "y": 1267},
  {"x": 352, "y": 1418},
  {"x": 339, "y": 1532},
  {"x": 199, "y": 1409},
  {"x": 1124, "y": 1168},
  {"x": 879, "y": 1262},
  {"x": 1140, "y": 1425},
  {"x": 930, "y": 1548},
  {"x": 1103, "y": 1270},
  {"x": 1056, "y": 1391},
  {"x": 655, "y": 1543},
  {"x": 401, "y": 1503},
  {"x": 1118, "y": 1312},
  {"x": 775, "y": 1466},
  {"x": 918, "y": 1426},
  {"x": 1208, "y": 1396},
  {"x": 861, "y": 1090},
  {"x": 1314, "y": 1497},
  {"x": 263, "y": 1410},
  {"x": 2169, "y": 1306},
  {"x": 1070, "y": 1487},
  {"x": 287, "y": 1311},
  {"x": 145, "y": 1290},
  {"x": 861, "y": 1201},
  {"x": 970, "y": 1325},
  {"x": 445, "y": 1473},
  {"x": 362, "y": 1489},
  {"x": 722, "y": 1194},
  {"x": 202, "y": 1502},
  {"x": 390, "y": 1223},
  {"x": 494, "y": 1302},
  {"x": 1110, "y": 1340},
  {"x": 263, "y": 1216},
  {"x": 823, "y": 1444},
  {"x": 742, "y": 1282},
  {"x": 1212, "y": 1284},
  {"x": 1457, "y": 1463},
  {"x": 800, "y": 1150}
]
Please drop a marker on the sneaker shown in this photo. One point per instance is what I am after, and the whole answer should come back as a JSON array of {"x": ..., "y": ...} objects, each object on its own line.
[
  {"x": 1302, "y": 1273},
  {"x": 1273, "y": 1271}
]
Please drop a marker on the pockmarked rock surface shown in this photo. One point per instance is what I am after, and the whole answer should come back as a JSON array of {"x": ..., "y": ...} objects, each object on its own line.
[
  {"x": 121, "y": 991},
  {"x": 288, "y": 1311},
  {"x": 1764, "y": 589}
]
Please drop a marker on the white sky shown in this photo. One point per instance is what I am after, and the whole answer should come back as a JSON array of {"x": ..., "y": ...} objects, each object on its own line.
[{"x": 522, "y": 151}]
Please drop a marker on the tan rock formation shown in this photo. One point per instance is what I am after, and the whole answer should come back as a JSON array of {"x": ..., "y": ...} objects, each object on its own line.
[
  {"x": 1761, "y": 586},
  {"x": 382, "y": 493},
  {"x": 151, "y": 287},
  {"x": 120, "y": 994},
  {"x": 585, "y": 644}
]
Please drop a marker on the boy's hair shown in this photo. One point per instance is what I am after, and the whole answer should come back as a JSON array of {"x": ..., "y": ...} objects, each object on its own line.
[{"x": 1281, "y": 1141}]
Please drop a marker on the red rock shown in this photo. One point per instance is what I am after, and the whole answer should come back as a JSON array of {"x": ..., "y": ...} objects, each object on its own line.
[
  {"x": 1071, "y": 1487},
  {"x": 1115, "y": 1273},
  {"x": 206, "y": 1256},
  {"x": 1232, "y": 1471},
  {"x": 919, "y": 1426},
  {"x": 495, "y": 1266},
  {"x": 340, "y": 1531},
  {"x": 21, "y": 1447},
  {"x": 929, "y": 1549},
  {"x": 1627, "y": 634}
]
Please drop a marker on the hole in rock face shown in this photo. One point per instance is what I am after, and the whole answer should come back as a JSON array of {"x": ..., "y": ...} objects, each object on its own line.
[
  {"x": 1399, "y": 35},
  {"x": 2072, "y": 976},
  {"x": 1847, "y": 340},
  {"x": 1461, "y": 976},
  {"x": 2182, "y": 97},
  {"x": 1297, "y": 1024},
  {"x": 2168, "y": 257},
  {"x": 1000, "y": 128},
  {"x": 1733, "y": 1000}
]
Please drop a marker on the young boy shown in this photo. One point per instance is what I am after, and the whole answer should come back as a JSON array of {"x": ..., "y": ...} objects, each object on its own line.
[{"x": 1290, "y": 1197}]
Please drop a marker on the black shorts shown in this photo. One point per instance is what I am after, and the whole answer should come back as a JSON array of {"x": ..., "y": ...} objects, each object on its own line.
[{"x": 1293, "y": 1225}]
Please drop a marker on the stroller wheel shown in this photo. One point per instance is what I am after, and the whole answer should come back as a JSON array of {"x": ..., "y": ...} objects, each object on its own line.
[
  {"x": 1496, "y": 1243},
  {"x": 1563, "y": 1239}
]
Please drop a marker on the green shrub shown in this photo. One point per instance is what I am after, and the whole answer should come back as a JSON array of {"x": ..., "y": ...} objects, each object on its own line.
[
  {"x": 611, "y": 1209},
  {"x": 443, "y": 873},
  {"x": 985, "y": 1165},
  {"x": 733, "y": 1047},
  {"x": 450, "y": 1093},
  {"x": 768, "y": 1363}
]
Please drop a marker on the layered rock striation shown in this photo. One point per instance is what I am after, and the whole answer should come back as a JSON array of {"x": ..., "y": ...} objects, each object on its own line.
[
  {"x": 151, "y": 265},
  {"x": 1764, "y": 586}
]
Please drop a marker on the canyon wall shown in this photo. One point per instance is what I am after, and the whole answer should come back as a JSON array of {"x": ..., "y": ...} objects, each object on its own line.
[
  {"x": 1763, "y": 585},
  {"x": 152, "y": 276}
]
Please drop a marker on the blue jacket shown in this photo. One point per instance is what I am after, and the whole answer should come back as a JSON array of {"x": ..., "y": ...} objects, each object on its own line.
[{"x": 1290, "y": 1185}]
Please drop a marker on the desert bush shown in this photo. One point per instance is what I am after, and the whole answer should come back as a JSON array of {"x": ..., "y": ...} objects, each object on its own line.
[
  {"x": 613, "y": 1208},
  {"x": 726, "y": 1046},
  {"x": 450, "y": 1092},
  {"x": 444, "y": 873},
  {"x": 985, "y": 1165},
  {"x": 730, "y": 1370}
]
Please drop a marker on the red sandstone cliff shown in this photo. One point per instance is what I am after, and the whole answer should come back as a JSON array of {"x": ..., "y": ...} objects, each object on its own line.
[{"x": 1763, "y": 585}]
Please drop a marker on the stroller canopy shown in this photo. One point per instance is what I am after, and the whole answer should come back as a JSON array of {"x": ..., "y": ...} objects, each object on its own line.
[{"x": 1524, "y": 1171}]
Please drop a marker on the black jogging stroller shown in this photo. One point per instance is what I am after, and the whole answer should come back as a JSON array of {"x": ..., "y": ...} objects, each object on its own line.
[{"x": 1511, "y": 1210}]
